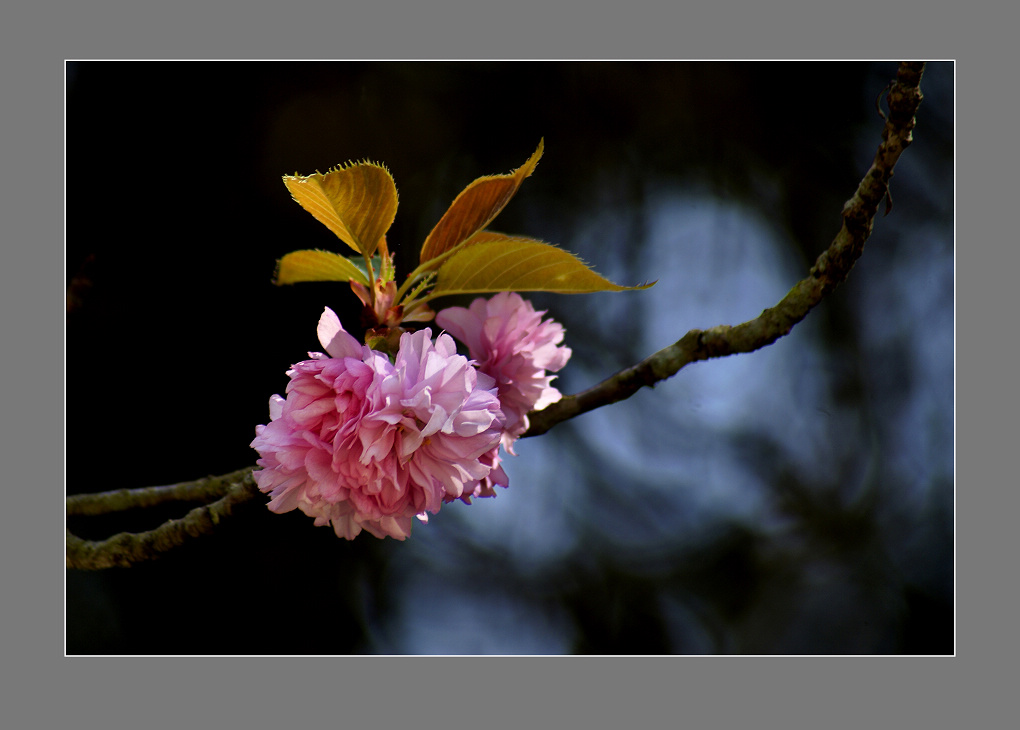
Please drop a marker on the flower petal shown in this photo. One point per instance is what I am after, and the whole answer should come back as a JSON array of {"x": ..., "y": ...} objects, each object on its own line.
[
  {"x": 336, "y": 340},
  {"x": 365, "y": 444}
]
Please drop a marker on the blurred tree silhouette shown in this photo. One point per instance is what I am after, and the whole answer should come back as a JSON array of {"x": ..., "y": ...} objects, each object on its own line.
[{"x": 794, "y": 500}]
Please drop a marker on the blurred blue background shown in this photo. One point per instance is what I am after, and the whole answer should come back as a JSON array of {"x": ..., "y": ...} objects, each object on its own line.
[{"x": 799, "y": 499}]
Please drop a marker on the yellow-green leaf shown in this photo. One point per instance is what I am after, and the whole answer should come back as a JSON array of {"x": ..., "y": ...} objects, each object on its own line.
[
  {"x": 357, "y": 202},
  {"x": 476, "y": 206},
  {"x": 519, "y": 264},
  {"x": 310, "y": 265},
  {"x": 488, "y": 237}
]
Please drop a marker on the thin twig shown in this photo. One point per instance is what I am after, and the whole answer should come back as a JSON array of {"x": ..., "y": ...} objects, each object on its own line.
[{"x": 830, "y": 269}]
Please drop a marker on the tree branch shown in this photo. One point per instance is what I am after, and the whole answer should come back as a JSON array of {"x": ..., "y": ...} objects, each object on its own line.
[
  {"x": 829, "y": 270},
  {"x": 200, "y": 490},
  {"x": 127, "y": 548}
]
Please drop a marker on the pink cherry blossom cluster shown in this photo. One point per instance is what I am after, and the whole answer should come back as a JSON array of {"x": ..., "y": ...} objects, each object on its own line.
[{"x": 365, "y": 443}]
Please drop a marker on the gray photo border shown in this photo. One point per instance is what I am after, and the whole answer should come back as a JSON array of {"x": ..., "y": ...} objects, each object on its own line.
[{"x": 265, "y": 692}]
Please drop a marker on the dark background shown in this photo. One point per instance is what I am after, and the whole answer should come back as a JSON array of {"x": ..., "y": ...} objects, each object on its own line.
[{"x": 795, "y": 500}]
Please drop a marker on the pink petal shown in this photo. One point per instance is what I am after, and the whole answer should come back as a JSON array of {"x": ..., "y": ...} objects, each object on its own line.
[{"x": 334, "y": 338}]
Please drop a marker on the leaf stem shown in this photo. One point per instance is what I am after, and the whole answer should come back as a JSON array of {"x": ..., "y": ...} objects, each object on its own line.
[
  {"x": 424, "y": 269},
  {"x": 415, "y": 304},
  {"x": 371, "y": 278}
]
